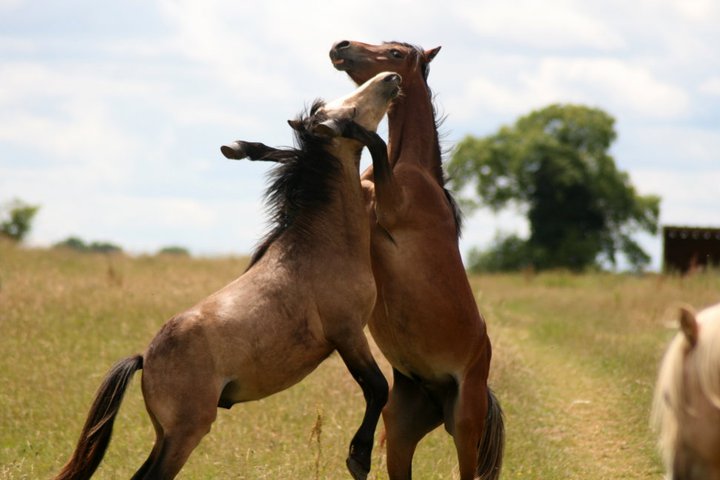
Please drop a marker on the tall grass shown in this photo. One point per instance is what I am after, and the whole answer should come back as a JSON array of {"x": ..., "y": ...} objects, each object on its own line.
[{"x": 574, "y": 363}]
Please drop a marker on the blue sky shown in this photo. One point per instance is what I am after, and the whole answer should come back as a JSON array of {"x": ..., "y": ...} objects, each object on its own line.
[{"x": 112, "y": 113}]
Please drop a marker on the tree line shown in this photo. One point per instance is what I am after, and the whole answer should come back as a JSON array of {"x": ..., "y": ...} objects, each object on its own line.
[
  {"x": 554, "y": 164},
  {"x": 16, "y": 219}
]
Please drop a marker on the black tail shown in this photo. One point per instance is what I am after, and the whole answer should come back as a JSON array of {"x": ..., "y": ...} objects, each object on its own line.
[
  {"x": 97, "y": 431},
  {"x": 492, "y": 444}
]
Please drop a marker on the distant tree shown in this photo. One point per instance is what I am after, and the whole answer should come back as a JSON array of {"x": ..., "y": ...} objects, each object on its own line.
[
  {"x": 104, "y": 247},
  {"x": 77, "y": 244},
  {"x": 73, "y": 243},
  {"x": 18, "y": 217},
  {"x": 555, "y": 164},
  {"x": 507, "y": 253},
  {"x": 174, "y": 250}
]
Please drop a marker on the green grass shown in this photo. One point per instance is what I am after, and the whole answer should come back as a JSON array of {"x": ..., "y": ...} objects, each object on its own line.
[{"x": 574, "y": 364}]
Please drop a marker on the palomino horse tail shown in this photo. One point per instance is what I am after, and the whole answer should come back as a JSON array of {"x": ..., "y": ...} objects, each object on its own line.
[
  {"x": 492, "y": 444},
  {"x": 97, "y": 431}
]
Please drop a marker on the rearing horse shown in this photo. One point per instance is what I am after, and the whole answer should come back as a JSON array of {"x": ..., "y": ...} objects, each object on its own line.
[
  {"x": 309, "y": 291},
  {"x": 425, "y": 320}
]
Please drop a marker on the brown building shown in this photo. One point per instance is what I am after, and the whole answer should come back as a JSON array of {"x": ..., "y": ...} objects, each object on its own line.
[{"x": 690, "y": 248}]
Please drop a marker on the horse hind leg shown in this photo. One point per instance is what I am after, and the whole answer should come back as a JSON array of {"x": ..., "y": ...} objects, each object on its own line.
[
  {"x": 409, "y": 415},
  {"x": 179, "y": 428},
  {"x": 465, "y": 421},
  {"x": 477, "y": 428},
  {"x": 142, "y": 471},
  {"x": 171, "y": 451}
]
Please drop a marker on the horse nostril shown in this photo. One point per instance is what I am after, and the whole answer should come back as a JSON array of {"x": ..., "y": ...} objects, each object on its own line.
[
  {"x": 341, "y": 45},
  {"x": 393, "y": 77}
]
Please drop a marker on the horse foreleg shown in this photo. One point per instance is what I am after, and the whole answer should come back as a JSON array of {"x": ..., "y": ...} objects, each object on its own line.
[
  {"x": 367, "y": 374},
  {"x": 240, "y": 149},
  {"x": 388, "y": 197},
  {"x": 409, "y": 415}
]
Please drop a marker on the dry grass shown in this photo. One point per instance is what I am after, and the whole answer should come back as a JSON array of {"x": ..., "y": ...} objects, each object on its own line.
[{"x": 574, "y": 363}]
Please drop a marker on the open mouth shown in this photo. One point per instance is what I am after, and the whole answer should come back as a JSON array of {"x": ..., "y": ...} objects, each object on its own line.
[{"x": 340, "y": 63}]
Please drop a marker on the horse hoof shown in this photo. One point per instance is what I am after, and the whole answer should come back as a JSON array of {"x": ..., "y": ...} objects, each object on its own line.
[
  {"x": 233, "y": 151},
  {"x": 357, "y": 471}
]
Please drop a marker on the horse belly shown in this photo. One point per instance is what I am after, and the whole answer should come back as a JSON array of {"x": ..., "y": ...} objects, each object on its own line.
[
  {"x": 268, "y": 360},
  {"x": 268, "y": 377}
]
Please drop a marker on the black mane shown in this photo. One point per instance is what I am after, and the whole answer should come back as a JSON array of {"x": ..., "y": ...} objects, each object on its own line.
[{"x": 302, "y": 181}]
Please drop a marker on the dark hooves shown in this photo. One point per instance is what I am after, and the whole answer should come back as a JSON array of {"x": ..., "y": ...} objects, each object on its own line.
[
  {"x": 357, "y": 471},
  {"x": 233, "y": 151}
]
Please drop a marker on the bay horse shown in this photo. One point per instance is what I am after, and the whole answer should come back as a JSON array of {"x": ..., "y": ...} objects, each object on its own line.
[
  {"x": 686, "y": 404},
  {"x": 308, "y": 291},
  {"x": 425, "y": 321}
]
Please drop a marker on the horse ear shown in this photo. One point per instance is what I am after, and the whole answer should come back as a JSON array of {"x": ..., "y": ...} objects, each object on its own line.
[
  {"x": 295, "y": 124},
  {"x": 430, "y": 54},
  {"x": 689, "y": 325}
]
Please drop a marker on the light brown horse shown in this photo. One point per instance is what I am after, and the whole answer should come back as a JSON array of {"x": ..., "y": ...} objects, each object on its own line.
[
  {"x": 308, "y": 292},
  {"x": 686, "y": 407},
  {"x": 425, "y": 320}
]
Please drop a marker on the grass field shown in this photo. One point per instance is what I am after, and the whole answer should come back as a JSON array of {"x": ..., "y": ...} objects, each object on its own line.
[{"x": 574, "y": 364}]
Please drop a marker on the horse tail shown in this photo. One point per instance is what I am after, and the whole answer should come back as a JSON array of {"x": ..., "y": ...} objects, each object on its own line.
[
  {"x": 492, "y": 444},
  {"x": 97, "y": 431}
]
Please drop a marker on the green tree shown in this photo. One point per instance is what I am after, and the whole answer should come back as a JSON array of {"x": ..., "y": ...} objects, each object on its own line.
[
  {"x": 507, "y": 253},
  {"x": 18, "y": 217},
  {"x": 104, "y": 247},
  {"x": 73, "y": 243},
  {"x": 555, "y": 164},
  {"x": 174, "y": 250}
]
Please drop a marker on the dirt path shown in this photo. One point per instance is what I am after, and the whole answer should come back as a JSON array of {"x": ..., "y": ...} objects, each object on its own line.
[{"x": 569, "y": 414}]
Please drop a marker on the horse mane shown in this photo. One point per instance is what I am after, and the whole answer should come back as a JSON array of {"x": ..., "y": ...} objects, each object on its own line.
[
  {"x": 668, "y": 396},
  {"x": 438, "y": 121},
  {"x": 301, "y": 183}
]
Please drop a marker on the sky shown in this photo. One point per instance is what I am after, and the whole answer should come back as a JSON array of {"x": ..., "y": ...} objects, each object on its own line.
[{"x": 112, "y": 113}]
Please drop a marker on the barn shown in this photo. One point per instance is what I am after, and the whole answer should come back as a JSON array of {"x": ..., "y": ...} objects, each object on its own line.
[{"x": 686, "y": 249}]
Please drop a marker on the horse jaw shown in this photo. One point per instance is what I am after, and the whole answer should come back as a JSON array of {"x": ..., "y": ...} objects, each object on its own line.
[{"x": 367, "y": 105}]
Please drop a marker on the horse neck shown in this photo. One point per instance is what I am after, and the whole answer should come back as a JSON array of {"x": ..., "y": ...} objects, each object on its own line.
[
  {"x": 412, "y": 131},
  {"x": 341, "y": 223}
]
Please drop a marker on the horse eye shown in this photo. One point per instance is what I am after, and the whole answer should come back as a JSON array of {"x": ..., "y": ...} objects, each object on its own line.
[{"x": 396, "y": 53}]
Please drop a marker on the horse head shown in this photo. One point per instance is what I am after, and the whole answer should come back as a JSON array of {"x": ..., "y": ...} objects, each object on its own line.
[
  {"x": 687, "y": 397},
  {"x": 362, "y": 61},
  {"x": 365, "y": 106}
]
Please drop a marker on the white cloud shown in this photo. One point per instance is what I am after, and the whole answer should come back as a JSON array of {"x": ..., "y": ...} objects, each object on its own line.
[
  {"x": 695, "y": 10},
  {"x": 615, "y": 85},
  {"x": 623, "y": 85},
  {"x": 552, "y": 24},
  {"x": 688, "y": 197},
  {"x": 711, "y": 86},
  {"x": 10, "y": 4},
  {"x": 672, "y": 147}
]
